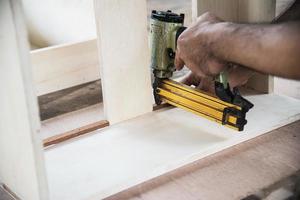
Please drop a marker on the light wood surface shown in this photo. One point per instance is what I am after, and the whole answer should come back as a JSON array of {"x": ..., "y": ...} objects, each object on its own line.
[
  {"x": 21, "y": 154},
  {"x": 225, "y": 9},
  {"x": 75, "y": 133},
  {"x": 123, "y": 155},
  {"x": 256, "y": 11},
  {"x": 287, "y": 87},
  {"x": 232, "y": 174},
  {"x": 71, "y": 121},
  {"x": 64, "y": 66},
  {"x": 124, "y": 58}
]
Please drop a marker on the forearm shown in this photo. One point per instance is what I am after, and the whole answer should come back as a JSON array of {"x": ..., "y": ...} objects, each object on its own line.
[{"x": 270, "y": 49}]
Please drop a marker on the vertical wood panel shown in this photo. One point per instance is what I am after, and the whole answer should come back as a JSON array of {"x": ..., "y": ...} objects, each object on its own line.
[
  {"x": 21, "y": 155},
  {"x": 124, "y": 58},
  {"x": 257, "y": 11},
  {"x": 59, "y": 67},
  {"x": 225, "y": 9}
]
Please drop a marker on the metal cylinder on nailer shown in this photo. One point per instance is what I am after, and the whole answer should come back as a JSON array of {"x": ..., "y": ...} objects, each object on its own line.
[{"x": 163, "y": 32}]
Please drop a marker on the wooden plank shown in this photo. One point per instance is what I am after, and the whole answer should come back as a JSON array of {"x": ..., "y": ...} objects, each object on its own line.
[
  {"x": 75, "y": 124},
  {"x": 124, "y": 58},
  {"x": 21, "y": 164},
  {"x": 245, "y": 169},
  {"x": 75, "y": 133},
  {"x": 151, "y": 145},
  {"x": 73, "y": 120},
  {"x": 225, "y": 9},
  {"x": 64, "y": 66},
  {"x": 256, "y": 11},
  {"x": 287, "y": 87},
  {"x": 245, "y": 11}
]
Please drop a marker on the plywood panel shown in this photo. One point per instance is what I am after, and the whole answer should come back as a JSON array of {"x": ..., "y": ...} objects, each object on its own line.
[
  {"x": 124, "y": 58},
  {"x": 237, "y": 172},
  {"x": 21, "y": 164},
  {"x": 287, "y": 87},
  {"x": 257, "y": 11},
  {"x": 137, "y": 150},
  {"x": 64, "y": 66},
  {"x": 225, "y": 9}
]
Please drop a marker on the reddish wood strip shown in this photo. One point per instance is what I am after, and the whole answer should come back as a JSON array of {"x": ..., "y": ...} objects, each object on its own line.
[
  {"x": 75, "y": 133},
  {"x": 84, "y": 130}
]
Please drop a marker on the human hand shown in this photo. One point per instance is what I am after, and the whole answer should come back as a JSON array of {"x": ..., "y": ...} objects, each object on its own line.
[
  {"x": 237, "y": 76},
  {"x": 195, "y": 47}
]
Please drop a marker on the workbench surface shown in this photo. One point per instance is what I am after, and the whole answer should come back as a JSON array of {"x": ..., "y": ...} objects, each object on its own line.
[{"x": 231, "y": 174}]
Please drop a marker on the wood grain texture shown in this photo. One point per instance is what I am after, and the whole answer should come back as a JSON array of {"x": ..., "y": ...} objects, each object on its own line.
[
  {"x": 132, "y": 152},
  {"x": 71, "y": 121},
  {"x": 66, "y": 123},
  {"x": 235, "y": 172},
  {"x": 287, "y": 87},
  {"x": 64, "y": 66},
  {"x": 22, "y": 162},
  {"x": 75, "y": 133},
  {"x": 124, "y": 58},
  {"x": 256, "y": 11},
  {"x": 225, "y": 9}
]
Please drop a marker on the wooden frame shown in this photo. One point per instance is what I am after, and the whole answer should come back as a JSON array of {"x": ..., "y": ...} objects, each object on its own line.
[
  {"x": 64, "y": 66},
  {"x": 124, "y": 58},
  {"x": 147, "y": 146},
  {"x": 22, "y": 159}
]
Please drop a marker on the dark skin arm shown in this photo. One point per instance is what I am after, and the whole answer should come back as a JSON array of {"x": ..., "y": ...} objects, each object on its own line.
[{"x": 210, "y": 44}]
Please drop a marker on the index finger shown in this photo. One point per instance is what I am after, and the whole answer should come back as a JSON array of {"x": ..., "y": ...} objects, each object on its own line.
[{"x": 179, "y": 63}]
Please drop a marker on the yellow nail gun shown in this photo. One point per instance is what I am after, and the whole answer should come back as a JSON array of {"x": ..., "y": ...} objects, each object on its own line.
[{"x": 228, "y": 108}]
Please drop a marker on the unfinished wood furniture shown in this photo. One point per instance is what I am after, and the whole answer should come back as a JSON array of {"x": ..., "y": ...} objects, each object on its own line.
[
  {"x": 241, "y": 171},
  {"x": 124, "y": 58},
  {"x": 109, "y": 160},
  {"x": 22, "y": 166},
  {"x": 63, "y": 66}
]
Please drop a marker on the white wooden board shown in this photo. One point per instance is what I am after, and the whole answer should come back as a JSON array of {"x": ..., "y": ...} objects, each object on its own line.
[
  {"x": 124, "y": 58},
  {"x": 21, "y": 156},
  {"x": 64, "y": 66},
  {"x": 225, "y": 9},
  {"x": 287, "y": 87},
  {"x": 71, "y": 121},
  {"x": 123, "y": 155}
]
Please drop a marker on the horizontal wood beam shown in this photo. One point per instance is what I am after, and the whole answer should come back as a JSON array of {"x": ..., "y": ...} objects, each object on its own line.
[{"x": 64, "y": 66}]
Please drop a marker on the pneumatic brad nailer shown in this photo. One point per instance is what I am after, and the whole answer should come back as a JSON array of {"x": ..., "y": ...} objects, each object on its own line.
[{"x": 228, "y": 108}]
